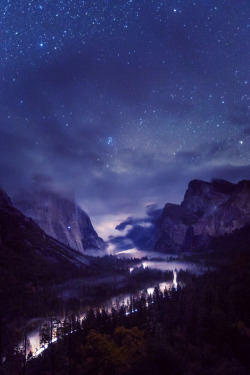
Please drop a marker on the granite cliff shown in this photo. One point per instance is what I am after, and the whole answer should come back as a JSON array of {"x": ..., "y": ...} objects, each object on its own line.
[
  {"x": 61, "y": 218},
  {"x": 28, "y": 253},
  {"x": 209, "y": 209}
]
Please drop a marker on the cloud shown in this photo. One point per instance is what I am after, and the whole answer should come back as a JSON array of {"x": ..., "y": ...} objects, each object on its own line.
[
  {"x": 208, "y": 152},
  {"x": 230, "y": 172},
  {"x": 187, "y": 157},
  {"x": 131, "y": 221},
  {"x": 56, "y": 119},
  {"x": 246, "y": 132},
  {"x": 239, "y": 115},
  {"x": 140, "y": 231}
]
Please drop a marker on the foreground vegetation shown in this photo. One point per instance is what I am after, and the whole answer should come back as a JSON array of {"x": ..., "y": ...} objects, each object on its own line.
[
  {"x": 200, "y": 329},
  {"x": 203, "y": 328},
  {"x": 26, "y": 300}
]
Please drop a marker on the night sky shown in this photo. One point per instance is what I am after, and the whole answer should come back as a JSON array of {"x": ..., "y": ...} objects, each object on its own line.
[{"x": 124, "y": 101}]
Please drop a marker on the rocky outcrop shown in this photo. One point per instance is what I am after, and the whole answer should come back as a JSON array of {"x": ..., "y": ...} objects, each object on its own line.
[
  {"x": 60, "y": 217},
  {"x": 209, "y": 209},
  {"x": 27, "y": 252}
]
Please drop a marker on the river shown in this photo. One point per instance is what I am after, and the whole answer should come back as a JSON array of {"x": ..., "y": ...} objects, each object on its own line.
[{"x": 174, "y": 265}]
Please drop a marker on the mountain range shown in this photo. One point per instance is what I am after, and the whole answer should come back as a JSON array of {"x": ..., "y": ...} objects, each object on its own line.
[{"x": 209, "y": 210}]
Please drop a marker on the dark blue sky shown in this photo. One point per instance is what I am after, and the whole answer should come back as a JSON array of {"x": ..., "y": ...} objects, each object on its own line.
[{"x": 124, "y": 102}]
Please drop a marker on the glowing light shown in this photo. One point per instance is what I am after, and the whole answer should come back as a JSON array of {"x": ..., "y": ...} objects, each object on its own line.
[
  {"x": 175, "y": 279},
  {"x": 110, "y": 141}
]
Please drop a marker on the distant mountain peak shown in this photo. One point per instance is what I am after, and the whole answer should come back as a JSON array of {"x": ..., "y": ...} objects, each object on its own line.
[
  {"x": 29, "y": 252},
  {"x": 209, "y": 209},
  {"x": 60, "y": 217}
]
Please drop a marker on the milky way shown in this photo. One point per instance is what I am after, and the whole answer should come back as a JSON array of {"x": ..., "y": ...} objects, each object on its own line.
[{"x": 124, "y": 102}]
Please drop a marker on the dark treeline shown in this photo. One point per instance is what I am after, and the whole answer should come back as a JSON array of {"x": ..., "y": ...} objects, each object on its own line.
[
  {"x": 203, "y": 328},
  {"x": 26, "y": 298}
]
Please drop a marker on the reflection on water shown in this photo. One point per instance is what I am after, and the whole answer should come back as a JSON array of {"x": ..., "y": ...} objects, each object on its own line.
[
  {"x": 166, "y": 262},
  {"x": 34, "y": 338},
  {"x": 162, "y": 287},
  {"x": 135, "y": 253},
  {"x": 174, "y": 265},
  {"x": 175, "y": 279},
  {"x": 114, "y": 302}
]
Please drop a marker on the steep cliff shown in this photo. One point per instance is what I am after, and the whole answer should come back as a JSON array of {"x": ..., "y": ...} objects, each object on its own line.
[
  {"x": 208, "y": 210},
  {"x": 28, "y": 253},
  {"x": 60, "y": 217}
]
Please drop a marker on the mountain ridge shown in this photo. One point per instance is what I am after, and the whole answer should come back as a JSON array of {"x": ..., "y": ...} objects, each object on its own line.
[{"x": 209, "y": 209}]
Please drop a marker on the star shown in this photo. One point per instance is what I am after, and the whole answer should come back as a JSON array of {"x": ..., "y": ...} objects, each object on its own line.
[
  {"x": 124, "y": 87},
  {"x": 110, "y": 141}
]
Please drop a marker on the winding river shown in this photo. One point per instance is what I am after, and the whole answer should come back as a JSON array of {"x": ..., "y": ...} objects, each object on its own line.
[{"x": 117, "y": 301}]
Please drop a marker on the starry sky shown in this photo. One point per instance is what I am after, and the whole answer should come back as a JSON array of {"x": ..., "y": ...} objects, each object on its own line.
[{"x": 123, "y": 101}]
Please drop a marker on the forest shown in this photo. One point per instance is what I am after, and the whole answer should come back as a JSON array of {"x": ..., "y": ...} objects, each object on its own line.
[{"x": 200, "y": 328}]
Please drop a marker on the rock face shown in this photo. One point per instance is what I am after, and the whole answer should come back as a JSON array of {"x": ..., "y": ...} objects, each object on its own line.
[
  {"x": 27, "y": 252},
  {"x": 61, "y": 218},
  {"x": 208, "y": 210}
]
